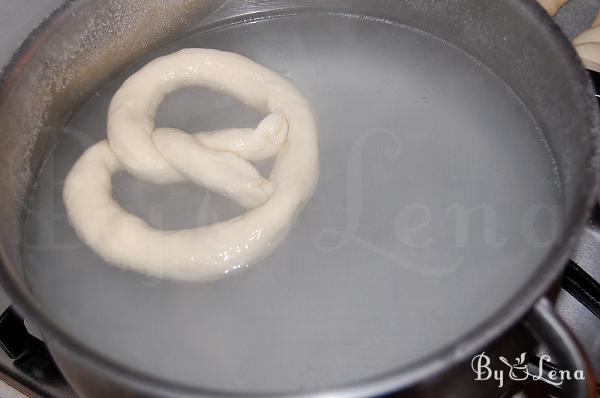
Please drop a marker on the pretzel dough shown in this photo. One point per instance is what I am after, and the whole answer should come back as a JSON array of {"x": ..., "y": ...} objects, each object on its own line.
[{"x": 219, "y": 161}]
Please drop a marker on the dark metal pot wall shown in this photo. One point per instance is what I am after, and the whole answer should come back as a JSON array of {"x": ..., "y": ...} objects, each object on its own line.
[
  {"x": 455, "y": 381},
  {"x": 73, "y": 53}
]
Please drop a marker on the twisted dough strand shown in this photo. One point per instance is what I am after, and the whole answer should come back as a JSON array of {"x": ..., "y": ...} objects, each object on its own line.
[{"x": 219, "y": 161}]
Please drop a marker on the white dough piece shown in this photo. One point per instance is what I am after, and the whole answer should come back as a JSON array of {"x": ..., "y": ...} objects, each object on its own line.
[
  {"x": 590, "y": 55},
  {"x": 222, "y": 172},
  {"x": 218, "y": 160}
]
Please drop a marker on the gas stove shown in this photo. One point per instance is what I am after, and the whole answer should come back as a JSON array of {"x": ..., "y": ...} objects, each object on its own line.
[{"x": 27, "y": 369}]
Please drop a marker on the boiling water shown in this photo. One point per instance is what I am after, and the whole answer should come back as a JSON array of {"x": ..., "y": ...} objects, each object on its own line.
[{"x": 437, "y": 199}]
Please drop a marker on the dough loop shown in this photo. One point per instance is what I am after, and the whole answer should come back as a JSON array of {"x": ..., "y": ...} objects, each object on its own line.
[{"x": 219, "y": 161}]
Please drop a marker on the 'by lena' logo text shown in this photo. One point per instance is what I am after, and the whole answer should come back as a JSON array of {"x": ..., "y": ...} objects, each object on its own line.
[{"x": 519, "y": 371}]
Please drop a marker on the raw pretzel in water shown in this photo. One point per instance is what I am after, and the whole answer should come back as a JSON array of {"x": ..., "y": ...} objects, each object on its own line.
[{"x": 219, "y": 161}]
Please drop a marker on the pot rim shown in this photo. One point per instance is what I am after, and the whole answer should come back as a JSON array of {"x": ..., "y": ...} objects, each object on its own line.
[{"x": 426, "y": 368}]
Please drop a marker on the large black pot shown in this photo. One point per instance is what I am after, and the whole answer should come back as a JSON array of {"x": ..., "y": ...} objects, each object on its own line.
[{"x": 84, "y": 43}]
